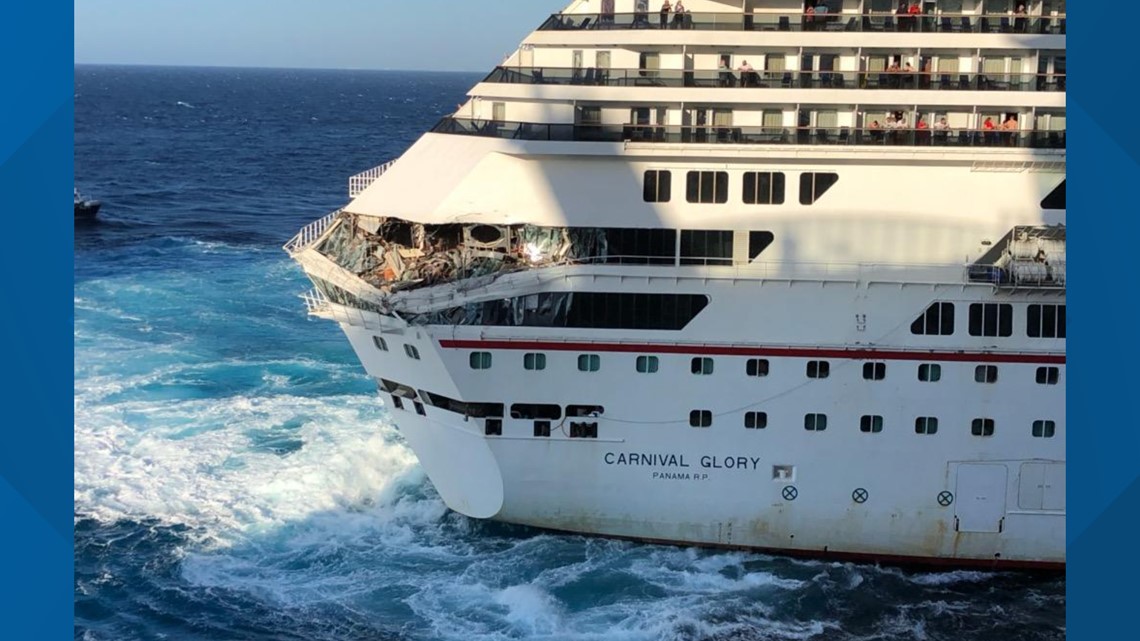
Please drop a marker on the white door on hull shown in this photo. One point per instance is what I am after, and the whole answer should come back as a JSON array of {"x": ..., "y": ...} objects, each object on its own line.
[{"x": 980, "y": 502}]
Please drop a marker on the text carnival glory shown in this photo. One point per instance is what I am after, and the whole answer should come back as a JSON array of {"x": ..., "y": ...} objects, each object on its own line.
[{"x": 678, "y": 468}]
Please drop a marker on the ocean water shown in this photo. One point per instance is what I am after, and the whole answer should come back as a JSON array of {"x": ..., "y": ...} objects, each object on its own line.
[{"x": 236, "y": 475}]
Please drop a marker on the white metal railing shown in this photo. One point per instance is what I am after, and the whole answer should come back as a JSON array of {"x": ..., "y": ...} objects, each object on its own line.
[
  {"x": 315, "y": 302},
  {"x": 310, "y": 233},
  {"x": 358, "y": 183}
]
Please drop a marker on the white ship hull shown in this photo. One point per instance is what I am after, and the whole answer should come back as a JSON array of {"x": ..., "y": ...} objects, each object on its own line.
[{"x": 649, "y": 475}]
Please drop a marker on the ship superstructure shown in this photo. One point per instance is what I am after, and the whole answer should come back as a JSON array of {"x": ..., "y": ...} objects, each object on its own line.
[{"x": 761, "y": 274}]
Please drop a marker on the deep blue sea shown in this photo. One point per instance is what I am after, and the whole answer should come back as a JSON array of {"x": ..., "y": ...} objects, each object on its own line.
[{"x": 236, "y": 475}]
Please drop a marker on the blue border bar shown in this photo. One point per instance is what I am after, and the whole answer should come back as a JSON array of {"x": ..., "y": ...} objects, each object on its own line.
[
  {"x": 36, "y": 464},
  {"x": 36, "y": 460},
  {"x": 1103, "y": 433}
]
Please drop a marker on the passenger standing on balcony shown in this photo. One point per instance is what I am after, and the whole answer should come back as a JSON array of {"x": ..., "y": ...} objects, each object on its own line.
[
  {"x": 809, "y": 18},
  {"x": 726, "y": 77},
  {"x": 901, "y": 16},
  {"x": 747, "y": 75},
  {"x": 914, "y": 13},
  {"x": 821, "y": 12},
  {"x": 989, "y": 131},
  {"x": 1010, "y": 127},
  {"x": 679, "y": 16},
  {"x": 607, "y": 12},
  {"x": 665, "y": 9},
  {"x": 1019, "y": 20},
  {"x": 641, "y": 14}
]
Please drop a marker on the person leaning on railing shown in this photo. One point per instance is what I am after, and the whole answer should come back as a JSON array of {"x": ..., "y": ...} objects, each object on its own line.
[{"x": 665, "y": 9}]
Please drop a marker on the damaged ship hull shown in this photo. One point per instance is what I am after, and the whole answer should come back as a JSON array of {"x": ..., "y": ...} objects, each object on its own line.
[{"x": 777, "y": 337}]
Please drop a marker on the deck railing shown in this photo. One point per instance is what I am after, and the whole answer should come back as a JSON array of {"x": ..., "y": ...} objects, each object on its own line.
[
  {"x": 358, "y": 183},
  {"x": 760, "y": 79},
  {"x": 310, "y": 233},
  {"x": 1000, "y": 23},
  {"x": 927, "y": 136}
]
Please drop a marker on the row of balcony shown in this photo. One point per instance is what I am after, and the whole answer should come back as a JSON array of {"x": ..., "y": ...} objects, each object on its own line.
[
  {"x": 834, "y": 22},
  {"x": 703, "y": 134},
  {"x": 778, "y": 79}
]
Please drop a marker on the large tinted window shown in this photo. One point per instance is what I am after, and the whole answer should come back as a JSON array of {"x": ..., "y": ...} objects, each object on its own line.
[
  {"x": 658, "y": 185},
  {"x": 1055, "y": 199},
  {"x": 699, "y": 247},
  {"x": 991, "y": 319},
  {"x": 937, "y": 320},
  {"x": 580, "y": 310},
  {"x": 763, "y": 188},
  {"x": 641, "y": 246},
  {"x": 707, "y": 187},
  {"x": 814, "y": 185}
]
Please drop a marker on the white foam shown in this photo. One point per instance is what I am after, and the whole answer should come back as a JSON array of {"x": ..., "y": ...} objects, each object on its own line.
[{"x": 193, "y": 462}]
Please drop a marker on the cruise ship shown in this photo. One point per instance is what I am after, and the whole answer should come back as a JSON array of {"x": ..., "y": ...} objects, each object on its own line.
[{"x": 751, "y": 274}]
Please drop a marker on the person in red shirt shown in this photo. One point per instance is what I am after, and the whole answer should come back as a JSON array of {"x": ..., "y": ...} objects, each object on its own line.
[
  {"x": 988, "y": 125},
  {"x": 914, "y": 12}
]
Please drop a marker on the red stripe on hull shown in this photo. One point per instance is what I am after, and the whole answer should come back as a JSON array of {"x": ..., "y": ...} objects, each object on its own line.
[{"x": 786, "y": 352}]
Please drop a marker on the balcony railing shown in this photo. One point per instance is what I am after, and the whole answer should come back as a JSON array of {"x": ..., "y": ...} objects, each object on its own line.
[
  {"x": 358, "y": 183},
  {"x": 831, "y": 22},
  {"x": 310, "y": 233},
  {"x": 870, "y": 136},
  {"x": 906, "y": 80}
]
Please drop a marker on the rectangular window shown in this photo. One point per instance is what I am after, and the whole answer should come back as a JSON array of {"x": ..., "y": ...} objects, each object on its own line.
[
  {"x": 707, "y": 187},
  {"x": 874, "y": 371},
  {"x": 627, "y": 246},
  {"x": 991, "y": 319},
  {"x": 930, "y": 372},
  {"x": 1048, "y": 375},
  {"x": 700, "y": 247},
  {"x": 658, "y": 186},
  {"x": 590, "y": 115},
  {"x": 985, "y": 374},
  {"x": 583, "y": 430},
  {"x": 419, "y": 408},
  {"x": 647, "y": 364},
  {"x": 1045, "y": 321},
  {"x": 982, "y": 427},
  {"x": 542, "y": 429},
  {"x": 815, "y": 422},
  {"x": 412, "y": 352},
  {"x": 818, "y": 369},
  {"x": 700, "y": 418},
  {"x": 592, "y": 411},
  {"x": 397, "y": 402},
  {"x": 937, "y": 320},
  {"x": 589, "y": 362},
  {"x": 535, "y": 411},
  {"x": 493, "y": 427},
  {"x": 702, "y": 366},
  {"x": 813, "y": 185},
  {"x": 380, "y": 343},
  {"x": 534, "y": 362},
  {"x": 871, "y": 424},
  {"x": 926, "y": 425},
  {"x": 755, "y": 420},
  {"x": 480, "y": 360},
  {"x": 763, "y": 188},
  {"x": 756, "y": 367},
  {"x": 1044, "y": 429}
]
